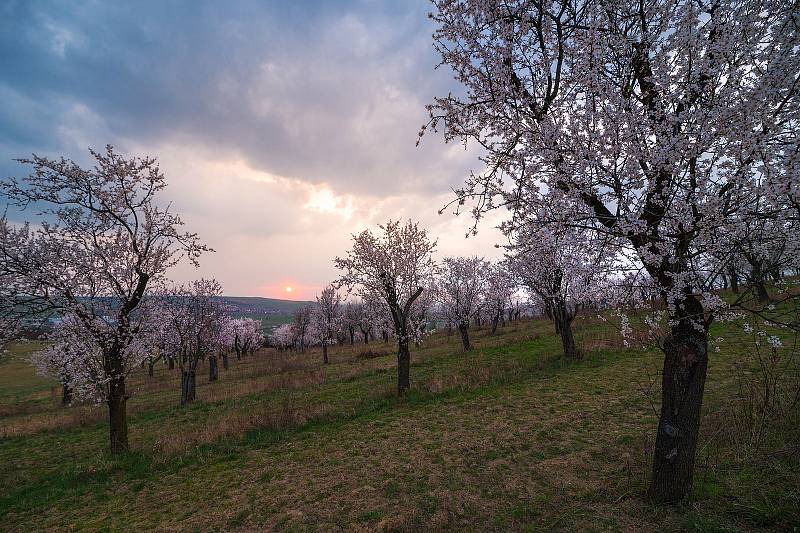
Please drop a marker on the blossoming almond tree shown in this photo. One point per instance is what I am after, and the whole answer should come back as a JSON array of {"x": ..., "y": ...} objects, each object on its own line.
[
  {"x": 194, "y": 317},
  {"x": 395, "y": 265},
  {"x": 243, "y": 335},
  {"x": 283, "y": 337},
  {"x": 666, "y": 119},
  {"x": 76, "y": 359},
  {"x": 459, "y": 291},
  {"x": 500, "y": 288},
  {"x": 327, "y": 317},
  {"x": 302, "y": 327},
  {"x": 564, "y": 267},
  {"x": 101, "y": 243}
]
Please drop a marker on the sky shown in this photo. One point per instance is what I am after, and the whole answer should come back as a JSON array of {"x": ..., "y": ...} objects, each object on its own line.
[{"x": 282, "y": 127}]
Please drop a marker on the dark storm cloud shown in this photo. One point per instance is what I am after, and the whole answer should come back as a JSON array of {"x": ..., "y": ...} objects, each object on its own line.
[{"x": 320, "y": 91}]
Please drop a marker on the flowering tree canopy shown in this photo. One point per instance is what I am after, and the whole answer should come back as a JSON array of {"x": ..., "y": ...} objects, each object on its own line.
[
  {"x": 396, "y": 265},
  {"x": 194, "y": 319},
  {"x": 100, "y": 244},
  {"x": 563, "y": 266},
  {"x": 327, "y": 317},
  {"x": 460, "y": 289},
  {"x": 662, "y": 122}
]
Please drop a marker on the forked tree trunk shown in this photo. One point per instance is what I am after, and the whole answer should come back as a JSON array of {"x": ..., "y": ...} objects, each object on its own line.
[
  {"x": 562, "y": 318},
  {"x": 464, "y": 330},
  {"x": 366, "y": 336},
  {"x": 682, "y": 384},
  {"x": 187, "y": 386},
  {"x": 352, "y": 336},
  {"x": 403, "y": 366},
  {"x": 117, "y": 413},
  {"x": 213, "y": 369}
]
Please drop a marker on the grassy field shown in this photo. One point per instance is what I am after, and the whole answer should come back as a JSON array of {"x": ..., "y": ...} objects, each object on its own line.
[{"x": 508, "y": 436}]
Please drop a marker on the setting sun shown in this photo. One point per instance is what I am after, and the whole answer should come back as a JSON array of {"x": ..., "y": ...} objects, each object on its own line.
[{"x": 288, "y": 289}]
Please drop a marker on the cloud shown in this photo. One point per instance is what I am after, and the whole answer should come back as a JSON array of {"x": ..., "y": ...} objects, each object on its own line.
[{"x": 282, "y": 127}]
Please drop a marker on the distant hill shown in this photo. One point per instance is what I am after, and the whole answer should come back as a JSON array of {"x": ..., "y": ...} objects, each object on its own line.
[
  {"x": 271, "y": 311},
  {"x": 268, "y": 306}
]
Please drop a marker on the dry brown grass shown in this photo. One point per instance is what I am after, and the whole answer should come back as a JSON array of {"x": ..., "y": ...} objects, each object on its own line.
[
  {"x": 287, "y": 415},
  {"x": 265, "y": 372}
]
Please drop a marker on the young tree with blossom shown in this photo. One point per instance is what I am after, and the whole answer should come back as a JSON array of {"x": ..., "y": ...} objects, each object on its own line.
[
  {"x": 564, "y": 268},
  {"x": 395, "y": 265},
  {"x": 461, "y": 285},
  {"x": 327, "y": 317},
  {"x": 75, "y": 358},
  {"x": 194, "y": 319},
  {"x": 101, "y": 243},
  {"x": 500, "y": 288},
  {"x": 243, "y": 335},
  {"x": 350, "y": 319},
  {"x": 283, "y": 337},
  {"x": 301, "y": 321},
  {"x": 664, "y": 119}
]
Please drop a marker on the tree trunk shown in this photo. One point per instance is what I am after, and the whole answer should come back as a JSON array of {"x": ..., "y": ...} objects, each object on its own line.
[
  {"x": 495, "y": 320},
  {"x": 562, "y": 318},
  {"x": 117, "y": 414},
  {"x": 463, "y": 328},
  {"x": 568, "y": 340},
  {"x": 171, "y": 363},
  {"x": 224, "y": 356},
  {"x": 150, "y": 365},
  {"x": 403, "y": 366},
  {"x": 366, "y": 336},
  {"x": 324, "y": 352},
  {"x": 734, "y": 279},
  {"x": 352, "y": 336},
  {"x": 187, "y": 386},
  {"x": 213, "y": 369},
  {"x": 682, "y": 384},
  {"x": 66, "y": 394},
  {"x": 761, "y": 290}
]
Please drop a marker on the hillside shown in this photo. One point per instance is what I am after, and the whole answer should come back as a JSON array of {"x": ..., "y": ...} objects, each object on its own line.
[
  {"x": 270, "y": 311},
  {"x": 249, "y": 305},
  {"x": 511, "y": 436}
]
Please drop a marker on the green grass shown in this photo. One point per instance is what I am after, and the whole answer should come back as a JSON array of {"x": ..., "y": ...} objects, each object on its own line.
[{"x": 508, "y": 437}]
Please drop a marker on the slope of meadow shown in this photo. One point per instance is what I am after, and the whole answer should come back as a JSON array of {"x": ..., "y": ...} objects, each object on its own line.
[{"x": 508, "y": 436}]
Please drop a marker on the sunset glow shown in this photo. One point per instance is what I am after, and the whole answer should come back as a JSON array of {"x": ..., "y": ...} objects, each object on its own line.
[{"x": 288, "y": 289}]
